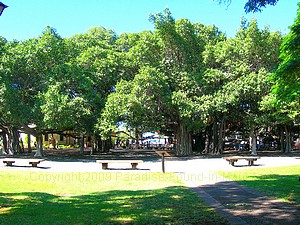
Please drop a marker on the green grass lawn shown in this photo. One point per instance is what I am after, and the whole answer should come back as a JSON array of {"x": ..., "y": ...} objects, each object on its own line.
[
  {"x": 279, "y": 182},
  {"x": 99, "y": 198}
]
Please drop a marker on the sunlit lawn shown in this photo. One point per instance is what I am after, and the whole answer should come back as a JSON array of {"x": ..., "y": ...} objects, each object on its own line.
[
  {"x": 99, "y": 198},
  {"x": 280, "y": 182}
]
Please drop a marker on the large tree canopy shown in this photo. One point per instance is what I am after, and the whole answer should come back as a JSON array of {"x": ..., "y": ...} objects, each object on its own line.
[
  {"x": 27, "y": 68},
  {"x": 166, "y": 66},
  {"x": 194, "y": 79},
  {"x": 183, "y": 78},
  {"x": 236, "y": 77}
]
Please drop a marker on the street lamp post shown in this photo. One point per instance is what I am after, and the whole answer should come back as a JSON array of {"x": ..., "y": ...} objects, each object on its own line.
[{"x": 2, "y": 7}]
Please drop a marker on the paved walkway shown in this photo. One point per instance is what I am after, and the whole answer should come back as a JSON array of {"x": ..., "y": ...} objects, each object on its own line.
[{"x": 239, "y": 204}]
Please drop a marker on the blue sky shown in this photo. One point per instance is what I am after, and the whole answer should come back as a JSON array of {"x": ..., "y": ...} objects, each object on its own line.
[{"x": 25, "y": 19}]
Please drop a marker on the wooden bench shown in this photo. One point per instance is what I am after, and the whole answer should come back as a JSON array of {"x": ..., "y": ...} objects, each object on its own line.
[
  {"x": 234, "y": 159},
  {"x": 32, "y": 162},
  {"x": 133, "y": 163},
  {"x": 9, "y": 162}
]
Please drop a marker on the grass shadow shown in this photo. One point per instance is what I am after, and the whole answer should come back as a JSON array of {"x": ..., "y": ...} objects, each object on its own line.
[{"x": 171, "y": 205}]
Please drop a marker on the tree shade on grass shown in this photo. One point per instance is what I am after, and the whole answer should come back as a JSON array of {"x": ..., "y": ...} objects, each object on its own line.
[{"x": 99, "y": 198}]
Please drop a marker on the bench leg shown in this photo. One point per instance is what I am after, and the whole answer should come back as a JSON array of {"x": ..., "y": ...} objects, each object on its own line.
[
  {"x": 231, "y": 162},
  {"x": 134, "y": 165},
  {"x": 9, "y": 163},
  {"x": 250, "y": 162},
  {"x": 34, "y": 164},
  {"x": 104, "y": 166}
]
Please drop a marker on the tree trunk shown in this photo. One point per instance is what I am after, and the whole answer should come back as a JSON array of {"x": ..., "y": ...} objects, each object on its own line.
[
  {"x": 16, "y": 140},
  {"x": 92, "y": 144},
  {"x": 10, "y": 142},
  {"x": 252, "y": 142},
  {"x": 29, "y": 143},
  {"x": 220, "y": 137},
  {"x": 22, "y": 150},
  {"x": 102, "y": 145},
  {"x": 208, "y": 140},
  {"x": 5, "y": 144},
  {"x": 214, "y": 143},
  {"x": 81, "y": 144},
  {"x": 39, "y": 147},
  {"x": 184, "y": 141},
  {"x": 282, "y": 139},
  {"x": 96, "y": 143},
  {"x": 214, "y": 138},
  {"x": 288, "y": 140}
]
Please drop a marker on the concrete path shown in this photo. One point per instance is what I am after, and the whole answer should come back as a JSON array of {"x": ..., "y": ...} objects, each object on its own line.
[{"x": 237, "y": 203}]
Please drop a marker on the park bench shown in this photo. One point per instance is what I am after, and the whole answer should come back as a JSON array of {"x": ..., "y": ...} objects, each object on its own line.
[
  {"x": 32, "y": 162},
  {"x": 133, "y": 162},
  {"x": 9, "y": 162},
  {"x": 234, "y": 159}
]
